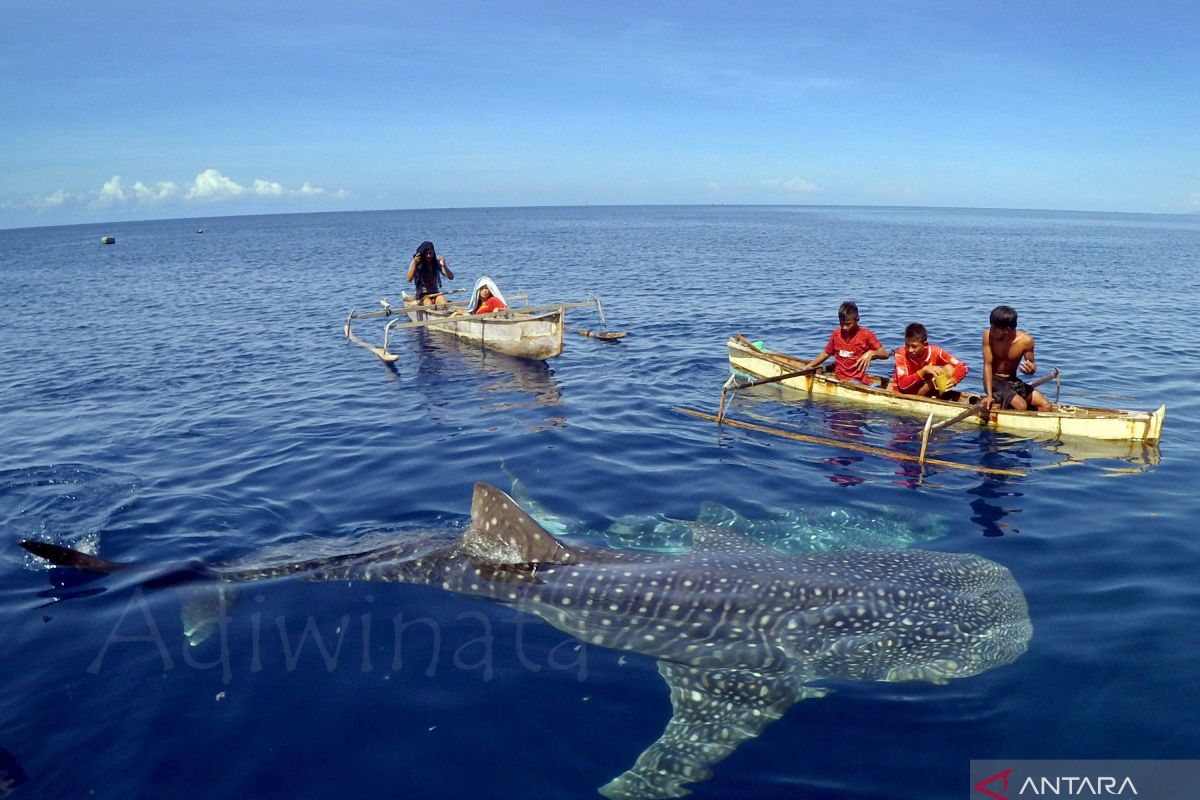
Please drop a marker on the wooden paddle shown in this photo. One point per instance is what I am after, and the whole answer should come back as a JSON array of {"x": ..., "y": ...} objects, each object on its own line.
[
  {"x": 977, "y": 408},
  {"x": 930, "y": 427},
  {"x": 604, "y": 335},
  {"x": 1047, "y": 377},
  {"x": 860, "y": 448}
]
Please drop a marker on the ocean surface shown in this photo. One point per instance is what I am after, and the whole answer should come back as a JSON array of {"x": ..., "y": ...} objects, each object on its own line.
[{"x": 183, "y": 395}]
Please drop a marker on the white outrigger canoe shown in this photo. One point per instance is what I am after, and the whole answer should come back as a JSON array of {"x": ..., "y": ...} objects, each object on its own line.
[
  {"x": 530, "y": 332},
  {"x": 1107, "y": 424}
]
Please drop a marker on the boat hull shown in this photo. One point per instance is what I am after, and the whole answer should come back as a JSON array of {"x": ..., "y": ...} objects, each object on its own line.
[
  {"x": 1108, "y": 424},
  {"x": 536, "y": 337}
]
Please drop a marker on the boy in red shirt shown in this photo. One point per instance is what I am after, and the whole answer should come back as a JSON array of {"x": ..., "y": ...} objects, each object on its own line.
[
  {"x": 923, "y": 368},
  {"x": 852, "y": 347}
]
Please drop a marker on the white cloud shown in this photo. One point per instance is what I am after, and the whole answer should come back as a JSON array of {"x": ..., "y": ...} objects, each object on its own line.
[
  {"x": 208, "y": 186},
  {"x": 53, "y": 201},
  {"x": 791, "y": 185},
  {"x": 267, "y": 188},
  {"x": 111, "y": 192},
  {"x": 212, "y": 185},
  {"x": 163, "y": 190}
]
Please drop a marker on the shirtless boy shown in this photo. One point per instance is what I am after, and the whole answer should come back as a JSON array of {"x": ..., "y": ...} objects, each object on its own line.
[{"x": 1005, "y": 350}]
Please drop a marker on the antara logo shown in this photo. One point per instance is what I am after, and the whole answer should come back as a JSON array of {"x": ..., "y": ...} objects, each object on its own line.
[
  {"x": 1060, "y": 786},
  {"x": 999, "y": 776}
]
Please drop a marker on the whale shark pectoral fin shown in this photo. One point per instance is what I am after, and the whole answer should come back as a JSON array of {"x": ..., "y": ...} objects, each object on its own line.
[
  {"x": 502, "y": 533},
  {"x": 203, "y": 609},
  {"x": 714, "y": 711}
]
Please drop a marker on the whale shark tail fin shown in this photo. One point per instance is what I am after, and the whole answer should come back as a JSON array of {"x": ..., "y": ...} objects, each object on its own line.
[
  {"x": 502, "y": 533},
  {"x": 61, "y": 556}
]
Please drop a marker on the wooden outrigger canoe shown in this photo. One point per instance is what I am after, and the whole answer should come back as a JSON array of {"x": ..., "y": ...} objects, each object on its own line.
[
  {"x": 1109, "y": 424},
  {"x": 532, "y": 332},
  {"x": 536, "y": 336}
]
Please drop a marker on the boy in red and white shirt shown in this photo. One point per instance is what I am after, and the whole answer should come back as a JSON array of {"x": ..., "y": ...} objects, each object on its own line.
[
  {"x": 852, "y": 347},
  {"x": 923, "y": 368}
]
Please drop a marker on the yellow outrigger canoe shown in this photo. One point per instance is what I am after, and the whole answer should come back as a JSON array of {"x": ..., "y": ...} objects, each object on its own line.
[{"x": 1108, "y": 424}]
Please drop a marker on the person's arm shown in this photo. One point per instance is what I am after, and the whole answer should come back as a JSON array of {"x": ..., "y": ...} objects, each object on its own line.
[
  {"x": 819, "y": 359},
  {"x": 987, "y": 372},
  {"x": 445, "y": 269},
  {"x": 1029, "y": 361},
  {"x": 877, "y": 351},
  {"x": 412, "y": 269},
  {"x": 952, "y": 367},
  {"x": 902, "y": 379}
]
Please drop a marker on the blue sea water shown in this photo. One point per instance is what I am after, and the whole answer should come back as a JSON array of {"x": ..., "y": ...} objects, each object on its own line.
[{"x": 181, "y": 395}]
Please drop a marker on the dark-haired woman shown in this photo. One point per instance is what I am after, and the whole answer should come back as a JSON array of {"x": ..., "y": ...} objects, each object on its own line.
[{"x": 426, "y": 270}]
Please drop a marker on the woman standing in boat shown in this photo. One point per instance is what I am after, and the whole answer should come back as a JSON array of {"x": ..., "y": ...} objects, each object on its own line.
[{"x": 426, "y": 270}]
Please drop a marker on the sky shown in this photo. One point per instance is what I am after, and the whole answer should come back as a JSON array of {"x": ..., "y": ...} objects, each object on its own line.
[{"x": 145, "y": 110}]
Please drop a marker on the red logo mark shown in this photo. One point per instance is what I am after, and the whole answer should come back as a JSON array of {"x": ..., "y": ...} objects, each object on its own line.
[{"x": 1002, "y": 777}]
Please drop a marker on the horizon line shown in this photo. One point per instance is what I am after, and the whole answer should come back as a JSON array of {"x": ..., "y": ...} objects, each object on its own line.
[{"x": 1183, "y": 214}]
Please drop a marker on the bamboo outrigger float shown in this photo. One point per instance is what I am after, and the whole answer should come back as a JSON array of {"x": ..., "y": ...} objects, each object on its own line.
[
  {"x": 529, "y": 332},
  {"x": 1108, "y": 424}
]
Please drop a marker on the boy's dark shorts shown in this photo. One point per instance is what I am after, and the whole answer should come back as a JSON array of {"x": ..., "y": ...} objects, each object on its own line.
[{"x": 1006, "y": 387}]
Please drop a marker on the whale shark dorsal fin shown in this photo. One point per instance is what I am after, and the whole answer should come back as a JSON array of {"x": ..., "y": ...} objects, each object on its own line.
[
  {"x": 715, "y": 513},
  {"x": 502, "y": 533}
]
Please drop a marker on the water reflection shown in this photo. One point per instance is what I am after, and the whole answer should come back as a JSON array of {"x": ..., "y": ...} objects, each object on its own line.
[
  {"x": 1140, "y": 456},
  {"x": 906, "y": 438},
  {"x": 990, "y": 506},
  {"x": 845, "y": 424},
  {"x": 445, "y": 356}
]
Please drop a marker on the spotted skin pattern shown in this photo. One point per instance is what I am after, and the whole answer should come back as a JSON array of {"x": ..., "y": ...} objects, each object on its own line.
[{"x": 739, "y": 630}]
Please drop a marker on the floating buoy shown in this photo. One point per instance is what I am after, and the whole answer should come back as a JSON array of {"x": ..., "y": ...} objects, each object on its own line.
[
  {"x": 603, "y": 335},
  {"x": 108, "y": 240}
]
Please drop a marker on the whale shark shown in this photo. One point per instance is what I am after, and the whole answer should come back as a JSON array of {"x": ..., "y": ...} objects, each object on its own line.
[
  {"x": 740, "y": 631},
  {"x": 790, "y": 530}
]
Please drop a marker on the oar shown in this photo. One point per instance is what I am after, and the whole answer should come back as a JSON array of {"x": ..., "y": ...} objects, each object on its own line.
[
  {"x": 1050, "y": 376},
  {"x": 737, "y": 386},
  {"x": 930, "y": 428},
  {"x": 603, "y": 335},
  {"x": 860, "y": 448}
]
